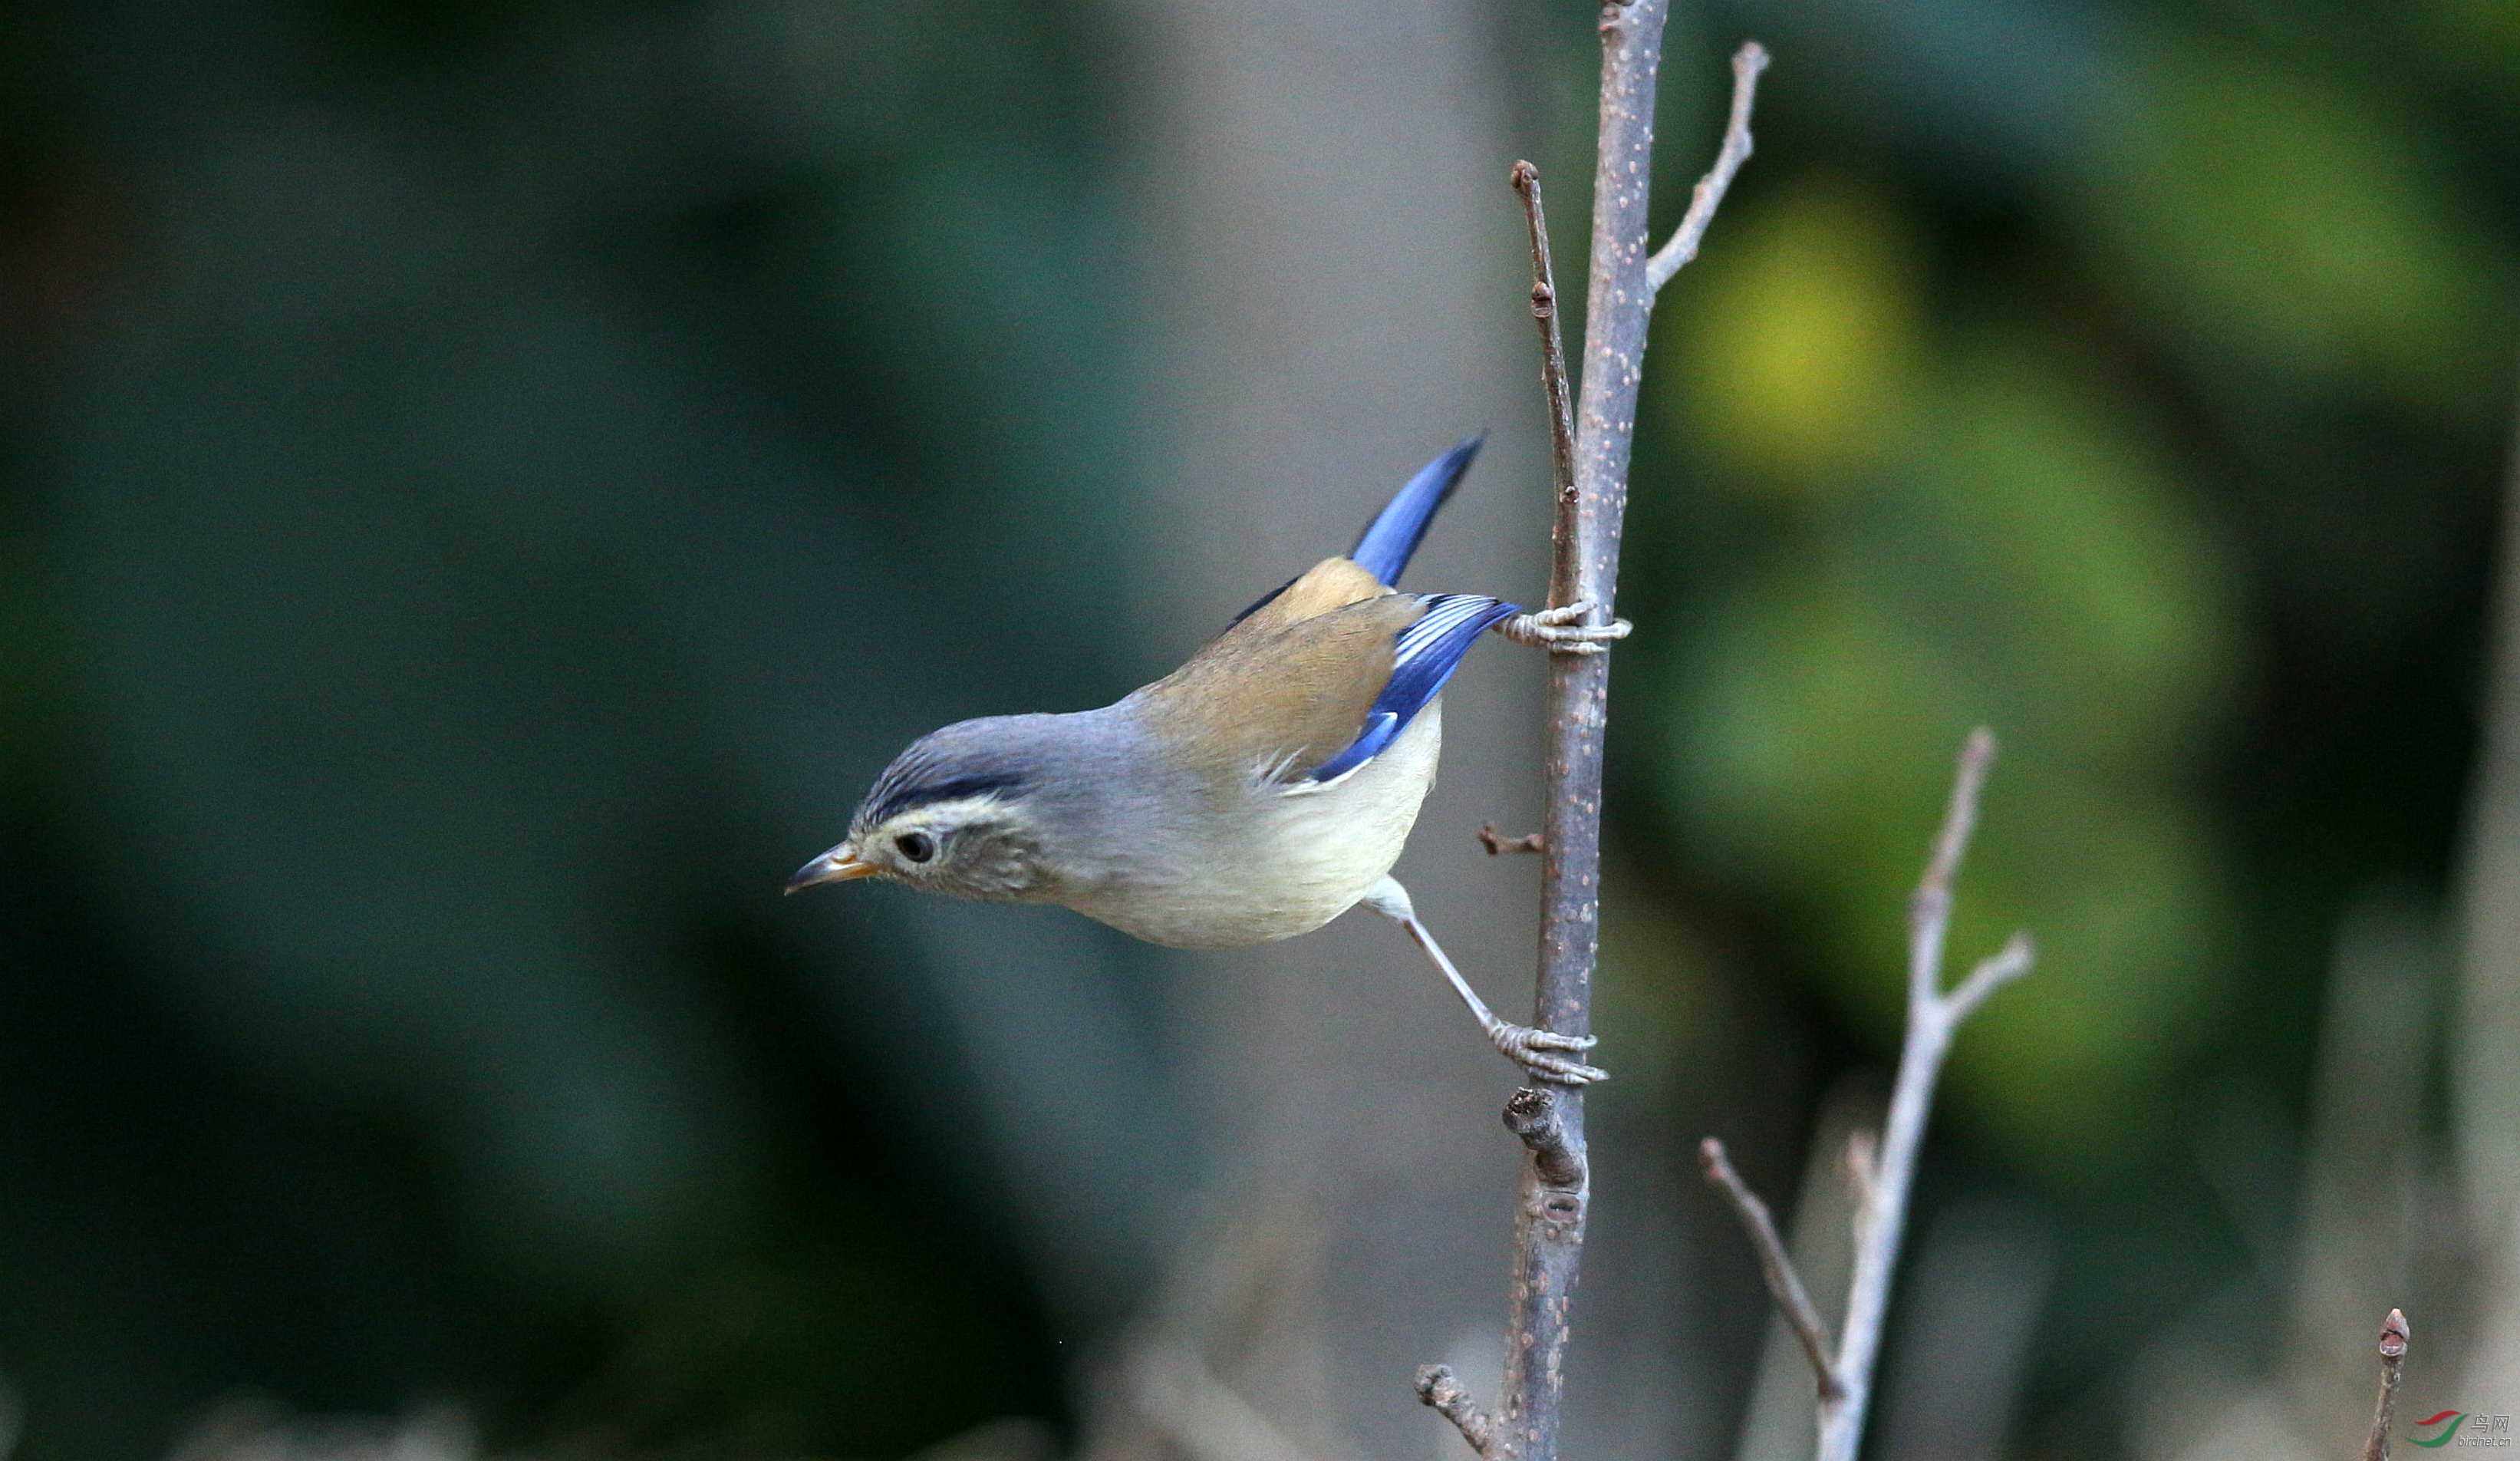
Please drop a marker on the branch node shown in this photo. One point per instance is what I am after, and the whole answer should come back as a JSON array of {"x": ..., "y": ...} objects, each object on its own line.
[
  {"x": 1775, "y": 1265},
  {"x": 1444, "y": 1393},
  {"x": 1498, "y": 843},
  {"x": 1991, "y": 973},
  {"x": 1532, "y": 1114},
  {"x": 1589, "y": 477}
]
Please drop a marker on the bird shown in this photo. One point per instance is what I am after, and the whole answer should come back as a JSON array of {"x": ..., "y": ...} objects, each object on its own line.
[{"x": 1258, "y": 791}]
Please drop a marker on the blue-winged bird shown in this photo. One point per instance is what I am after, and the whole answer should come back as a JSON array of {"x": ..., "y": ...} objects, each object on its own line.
[{"x": 1256, "y": 793}]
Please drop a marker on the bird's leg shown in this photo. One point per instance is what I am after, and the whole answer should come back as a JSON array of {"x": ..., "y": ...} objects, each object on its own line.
[
  {"x": 1557, "y": 629},
  {"x": 1535, "y": 1050}
]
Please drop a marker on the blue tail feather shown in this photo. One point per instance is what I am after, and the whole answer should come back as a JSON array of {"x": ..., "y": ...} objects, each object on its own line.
[{"x": 1395, "y": 533}]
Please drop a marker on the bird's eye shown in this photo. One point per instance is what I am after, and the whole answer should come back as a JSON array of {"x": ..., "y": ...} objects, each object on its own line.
[{"x": 917, "y": 846}]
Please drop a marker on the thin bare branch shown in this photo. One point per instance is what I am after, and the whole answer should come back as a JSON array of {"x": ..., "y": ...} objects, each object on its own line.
[
  {"x": 1552, "y": 378},
  {"x": 1592, "y": 506},
  {"x": 1497, "y": 841},
  {"x": 1675, "y": 256},
  {"x": 2395, "y": 1340},
  {"x": 1933, "y": 1018},
  {"x": 1959, "y": 817},
  {"x": 1929, "y": 912},
  {"x": 1785, "y": 1284},
  {"x": 1881, "y": 1170},
  {"x": 1445, "y": 1396}
]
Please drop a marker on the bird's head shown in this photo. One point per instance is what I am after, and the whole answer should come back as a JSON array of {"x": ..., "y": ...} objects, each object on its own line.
[{"x": 967, "y": 810}]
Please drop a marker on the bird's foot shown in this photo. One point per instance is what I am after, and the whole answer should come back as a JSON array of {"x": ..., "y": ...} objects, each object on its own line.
[
  {"x": 1537, "y": 1051},
  {"x": 1557, "y": 629}
]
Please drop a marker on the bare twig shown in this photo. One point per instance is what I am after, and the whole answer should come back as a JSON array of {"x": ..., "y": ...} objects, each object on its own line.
[
  {"x": 1591, "y": 445},
  {"x": 1675, "y": 256},
  {"x": 1880, "y": 1170},
  {"x": 1785, "y": 1284},
  {"x": 1929, "y": 910},
  {"x": 2393, "y": 1340},
  {"x": 1933, "y": 1018},
  {"x": 1497, "y": 841},
  {"x": 1553, "y": 380},
  {"x": 1444, "y": 1393}
]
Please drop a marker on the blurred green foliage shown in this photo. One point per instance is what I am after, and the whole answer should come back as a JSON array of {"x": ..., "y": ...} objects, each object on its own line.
[
  {"x": 441, "y": 447},
  {"x": 1961, "y": 526},
  {"x": 2149, "y": 412},
  {"x": 449, "y": 448}
]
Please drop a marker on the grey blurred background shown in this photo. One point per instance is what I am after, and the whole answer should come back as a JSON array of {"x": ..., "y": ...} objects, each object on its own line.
[{"x": 484, "y": 487}]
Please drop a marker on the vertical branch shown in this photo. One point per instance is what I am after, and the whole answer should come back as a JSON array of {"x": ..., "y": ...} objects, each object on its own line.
[
  {"x": 1591, "y": 440},
  {"x": 2393, "y": 1340},
  {"x": 1549, "y": 1224}
]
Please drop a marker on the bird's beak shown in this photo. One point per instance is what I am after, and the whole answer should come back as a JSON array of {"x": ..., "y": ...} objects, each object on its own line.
[{"x": 838, "y": 865}]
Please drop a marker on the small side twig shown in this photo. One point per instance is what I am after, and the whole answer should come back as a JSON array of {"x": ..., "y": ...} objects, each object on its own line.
[
  {"x": 1675, "y": 256},
  {"x": 1552, "y": 371},
  {"x": 2394, "y": 1340},
  {"x": 1444, "y": 1393},
  {"x": 1785, "y": 1284},
  {"x": 1498, "y": 843},
  {"x": 1532, "y": 1115}
]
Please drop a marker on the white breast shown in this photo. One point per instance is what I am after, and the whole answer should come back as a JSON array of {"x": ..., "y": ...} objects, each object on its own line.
[{"x": 1283, "y": 862}]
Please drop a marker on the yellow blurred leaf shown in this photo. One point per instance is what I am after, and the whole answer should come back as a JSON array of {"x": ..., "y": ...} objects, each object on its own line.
[{"x": 1799, "y": 352}]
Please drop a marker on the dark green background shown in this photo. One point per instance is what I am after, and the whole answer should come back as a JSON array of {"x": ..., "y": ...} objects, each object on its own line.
[{"x": 482, "y": 485}]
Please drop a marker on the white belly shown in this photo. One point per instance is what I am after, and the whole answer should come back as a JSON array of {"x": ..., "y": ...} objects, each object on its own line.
[{"x": 1286, "y": 863}]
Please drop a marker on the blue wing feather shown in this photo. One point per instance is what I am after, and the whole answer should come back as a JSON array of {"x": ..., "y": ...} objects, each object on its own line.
[
  {"x": 1427, "y": 653},
  {"x": 1395, "y": 533}
]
